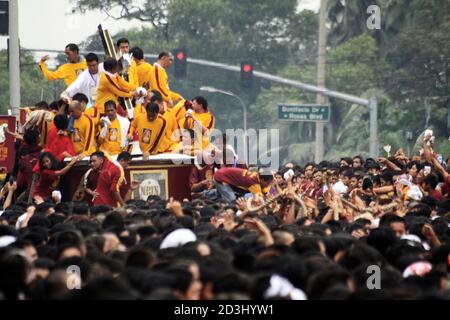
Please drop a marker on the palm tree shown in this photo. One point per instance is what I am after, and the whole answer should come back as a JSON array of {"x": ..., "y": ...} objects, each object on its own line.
[{"x": 348, "y": 19}]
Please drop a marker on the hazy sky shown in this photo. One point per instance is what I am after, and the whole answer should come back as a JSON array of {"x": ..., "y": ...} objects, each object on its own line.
[{"x": 49, "y": 24}]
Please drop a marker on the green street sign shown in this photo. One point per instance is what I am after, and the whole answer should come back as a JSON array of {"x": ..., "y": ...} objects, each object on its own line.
[{"x": 304, "y": 112}]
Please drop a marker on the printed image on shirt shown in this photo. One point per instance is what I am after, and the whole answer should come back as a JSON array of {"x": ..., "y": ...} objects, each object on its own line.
[
  {"x": 146, "y": 136},
  {"x": 76, "y": 135},
  {"x": 113, "y": 134}
]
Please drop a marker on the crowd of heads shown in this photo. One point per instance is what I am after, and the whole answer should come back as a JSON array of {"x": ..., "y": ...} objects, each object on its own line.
[{"x": 323, "y": 246}]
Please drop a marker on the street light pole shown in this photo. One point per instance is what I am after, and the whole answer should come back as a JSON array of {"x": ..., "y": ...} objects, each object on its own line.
[
  {"x": 321, "y": 66},
  {"x": 14, "y": 58},
  {"x": 244, "y": 109}
]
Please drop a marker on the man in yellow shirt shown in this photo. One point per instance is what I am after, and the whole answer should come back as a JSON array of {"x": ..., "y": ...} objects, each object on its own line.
[
  {"x": 172, "y": 129},
  {"x": 151, "y": 129},
  {"x": 68, "y": 71},
  {"x": 180, "y": 110},
  {"x": 200, "y": 119},
  {"x": 159, "y": 80},
  {"x": 143, "y": 68},
  {"x": 112, "y": 85},
  {"x": 123, "y": 45},
  {"x": 83, "y": 130},
  {"x": 113, "y": 135}
]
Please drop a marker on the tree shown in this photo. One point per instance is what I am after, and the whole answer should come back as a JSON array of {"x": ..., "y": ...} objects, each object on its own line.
[
  {"x": 151, "y": 11},
  {"x": 34, "y": 87}
]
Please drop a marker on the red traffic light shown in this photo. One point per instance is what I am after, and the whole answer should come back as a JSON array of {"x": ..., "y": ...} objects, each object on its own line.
[
  {"x": 247, "y": 68},
  {"x": 180, "y": 55}
]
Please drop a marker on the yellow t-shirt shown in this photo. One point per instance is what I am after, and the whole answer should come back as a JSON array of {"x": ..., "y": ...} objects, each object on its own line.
[
  {"x": 111, "y": 143},
  {"x": 179, "y": 112},
  {"x": 111, "y": 88},
  {"x": 172, "y": 126},
  {"x": 152, "y": 135},
  {"x": 159, "y": 81},
  {"x": 143, "y": 73},
  {"x": 139, "y": 109},
  {"x": 83, "y": 135},
  {"x": 207, "y": 120},
  {"x": 67, "y": 72},
  {"x": 133, "y": 78}
]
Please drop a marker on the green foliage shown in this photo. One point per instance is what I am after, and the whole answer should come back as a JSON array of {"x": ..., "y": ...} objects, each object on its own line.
[{"x": 34, "y": 87}]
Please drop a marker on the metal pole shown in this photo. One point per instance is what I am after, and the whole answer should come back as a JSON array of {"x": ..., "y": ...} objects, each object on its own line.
[
  {"x": 373, "y": 138},
  {"x": 244, "y": 109},
  {"x": 14, "y": 58},
  {"x": 321, "y": 60}
]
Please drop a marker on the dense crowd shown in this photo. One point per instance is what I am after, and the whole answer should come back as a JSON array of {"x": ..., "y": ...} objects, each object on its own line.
[{"x": 315, "y": 235}]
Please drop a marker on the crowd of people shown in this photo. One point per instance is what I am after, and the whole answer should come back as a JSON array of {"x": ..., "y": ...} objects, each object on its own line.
[{"x": 354, "y": 229}]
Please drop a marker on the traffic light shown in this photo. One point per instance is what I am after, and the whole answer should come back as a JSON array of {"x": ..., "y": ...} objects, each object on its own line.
[
  {"x": 4, "y": 18},
  {"x": 247, "y": 74},
  {"x": 180, "y": 63}
]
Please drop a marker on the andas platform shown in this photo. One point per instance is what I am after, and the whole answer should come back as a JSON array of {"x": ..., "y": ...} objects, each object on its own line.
[{"x": 165, "y": 175}]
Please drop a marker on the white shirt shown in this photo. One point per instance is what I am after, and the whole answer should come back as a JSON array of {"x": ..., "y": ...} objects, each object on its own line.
[{"x": 87, "y": 84}]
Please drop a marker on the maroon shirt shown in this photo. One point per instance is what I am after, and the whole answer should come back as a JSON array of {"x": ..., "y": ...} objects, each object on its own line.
[
  {"x": 436, "y": 195},
  {"x": 48, "y": 181},
  {"x": 240, "y": 178},
  {"x": 198, "y": 175},
  {"x": 109, "y": 181}
]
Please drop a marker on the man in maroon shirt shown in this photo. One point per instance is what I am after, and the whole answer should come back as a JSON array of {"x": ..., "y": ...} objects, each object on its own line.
[
  {"x": 201, "y": 180},
  {"x": 429, "y": 185},
  {"x": 58, "y": 141},
  {"x": 315, "y": 189},
  {"x": 228, "y": 178},
  {"x": 111, "y": 177}
]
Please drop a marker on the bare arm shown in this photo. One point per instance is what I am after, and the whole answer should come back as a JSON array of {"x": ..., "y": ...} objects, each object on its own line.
[{"x": 11, "y": 188}]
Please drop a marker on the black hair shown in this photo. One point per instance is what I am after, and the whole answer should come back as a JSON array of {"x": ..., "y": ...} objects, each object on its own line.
[
  {"x": 310, "y": 164},
  {"x": 98, "y": 154},
  {"x": 137, "y": 53},
  {"x": 122, "y": 40},
  {"x": 387, "y": 176},
  {"x": 91, "y": 57},
  {"x": 110, "y": 103},
  {"x": 348, "y": 173},
  {"x": 431, "y": 180},
  {"x": 360, "y": 158},
  {"x": 201, "y": 100},
  {"x": 52, "y": 158},
  {"x": 31, "y": 136},
  {"x": 348, "y": 160},
  {"x": 110, "y": 64},
  {"x": 164, "y": 54},
  {"x": 80, "y": 208},
  {"x": 152, "y": 108},
  {"x": 55, "y": 105},
  {"x": 156, "y": 96},
  {"x": 125, "y": 156},
  {"x": 181, "y": 279},
  {"x": 140, "y": 257},
  {"x": 73, "y": 47},
  {"x": 42, "y": 105},
  {"x": 411, "y": 164},
  {"x": 80, "y": 97},
  {"x": 61, "y": 122}
]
